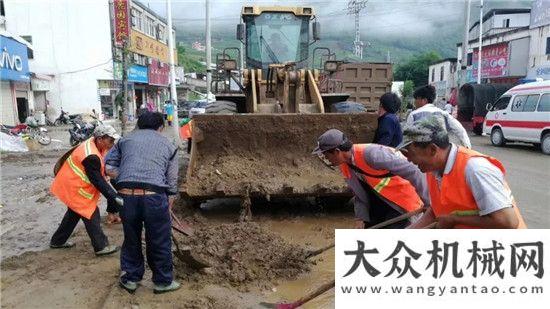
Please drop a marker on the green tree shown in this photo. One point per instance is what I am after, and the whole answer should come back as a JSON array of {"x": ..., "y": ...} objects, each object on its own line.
[
  {"x": 408, "y": 88},
  {"x": 416, "y": 68},
  {"x": 189, "y": 63}
]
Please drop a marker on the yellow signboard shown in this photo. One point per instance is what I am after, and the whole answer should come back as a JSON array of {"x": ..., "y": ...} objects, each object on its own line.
[{"x": 147, "y": 46}]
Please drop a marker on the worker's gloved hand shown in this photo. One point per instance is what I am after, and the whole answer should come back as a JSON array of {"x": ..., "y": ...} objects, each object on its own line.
[{"x": 119, "y": 201}]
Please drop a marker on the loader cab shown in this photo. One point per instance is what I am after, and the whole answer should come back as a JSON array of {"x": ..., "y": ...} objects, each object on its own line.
[{"x": 276, "y": 35}]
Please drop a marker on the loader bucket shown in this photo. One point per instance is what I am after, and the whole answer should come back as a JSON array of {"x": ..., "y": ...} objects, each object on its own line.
[{"x": 267, "y": 154}]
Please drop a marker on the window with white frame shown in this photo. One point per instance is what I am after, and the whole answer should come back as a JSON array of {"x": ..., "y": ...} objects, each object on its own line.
[
  {"x": 150, "y": 26},
  {"x": 137, "y": 23},
  {"x": 441, "y": 73},
  {"x": 161, "y": 33}
]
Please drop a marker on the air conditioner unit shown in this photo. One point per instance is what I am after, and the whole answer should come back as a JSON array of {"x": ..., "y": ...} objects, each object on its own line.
[{"x": 149, "y": 61}]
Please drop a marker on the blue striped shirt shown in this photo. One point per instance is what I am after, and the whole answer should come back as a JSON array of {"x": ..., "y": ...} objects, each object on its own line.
[{"x": 145, "y": 159}]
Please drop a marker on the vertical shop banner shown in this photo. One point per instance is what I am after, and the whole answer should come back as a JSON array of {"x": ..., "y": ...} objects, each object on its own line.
[
  {"x": 159, "y": 73},
  {"x": 451, "y": 269},
  {"x": 494, "y": 61},
  {"x": 122, "y": 21}
]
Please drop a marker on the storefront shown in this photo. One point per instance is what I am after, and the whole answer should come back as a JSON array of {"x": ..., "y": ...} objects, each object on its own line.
[
  {"x": 137, "y": 83},
  {"x": 107, "y": 91},
  {"x": 14, "y": 80},
  {"x": 159, "y": 80}
]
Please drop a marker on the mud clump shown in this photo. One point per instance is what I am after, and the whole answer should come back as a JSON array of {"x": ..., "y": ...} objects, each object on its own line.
[
  {"x": 241, "y": 254},
  {"x": 268, "y": 154}
]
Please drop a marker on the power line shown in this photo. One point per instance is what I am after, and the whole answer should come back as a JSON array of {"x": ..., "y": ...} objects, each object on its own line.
[{"x": 85, "y": 69}]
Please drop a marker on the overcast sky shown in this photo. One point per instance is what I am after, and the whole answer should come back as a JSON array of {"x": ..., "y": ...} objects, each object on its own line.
[{"x": 383, "y": 17}]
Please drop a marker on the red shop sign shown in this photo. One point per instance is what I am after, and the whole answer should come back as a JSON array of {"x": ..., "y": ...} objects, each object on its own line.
[{"x": 159, "y": 73}]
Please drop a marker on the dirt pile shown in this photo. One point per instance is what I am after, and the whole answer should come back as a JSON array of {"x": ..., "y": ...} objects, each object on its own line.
[
  {"x": 241, "y": 254},
  {"x": 267, "y": 154}
]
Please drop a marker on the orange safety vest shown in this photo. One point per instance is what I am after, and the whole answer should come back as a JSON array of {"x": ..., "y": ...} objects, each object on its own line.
[
  {"x": 186, "y": 131},
  {"x": 72, "y": 186},
  {"x": 393, "y": 188},
  {"x": 455, "y": 196}
]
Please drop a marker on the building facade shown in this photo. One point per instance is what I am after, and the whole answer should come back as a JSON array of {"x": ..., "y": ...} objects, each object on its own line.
[
  {"x": 505, "y": 47},
  {"x": 75, "y": 65},
  {"x": 442, "y": 76},
  {"x": 14, "y": 79},
  {"x": 147, "y": 35},
  {"x": 539, "y": 48}
]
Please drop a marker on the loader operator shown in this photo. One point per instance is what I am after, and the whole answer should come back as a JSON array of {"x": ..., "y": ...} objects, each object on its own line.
[
  {"x": 384, "y": 183},
  {"x": 467, "y": 188}
]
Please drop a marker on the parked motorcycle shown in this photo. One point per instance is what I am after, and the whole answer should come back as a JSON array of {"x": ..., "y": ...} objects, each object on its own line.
[
  {"x": 81, "y": 130},
  {"x": 65, "y": 118},
  {"x": 36, "y": 133}
]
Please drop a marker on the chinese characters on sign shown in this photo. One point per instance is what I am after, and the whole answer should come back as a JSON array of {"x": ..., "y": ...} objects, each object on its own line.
[
  {"x": 144, "y": 45},
  {"x": 159, "y": 73},
  {"x": 456, "y": 269},
  {"x": 483, "y": 261},
  {"x": 121, "y": 19},
  {"x": 494, "y": 61}
]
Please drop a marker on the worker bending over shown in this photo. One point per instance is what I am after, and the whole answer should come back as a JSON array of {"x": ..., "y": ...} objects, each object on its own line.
[{"x": 384, "y": 183}]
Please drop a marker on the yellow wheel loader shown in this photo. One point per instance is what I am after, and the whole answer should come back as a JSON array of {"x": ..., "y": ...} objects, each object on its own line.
[{"x": 256, "y": 139}]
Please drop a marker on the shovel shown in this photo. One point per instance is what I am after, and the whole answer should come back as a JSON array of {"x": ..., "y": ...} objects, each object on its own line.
[
  {"x": 329, "y": 285},
  {"x": 180, "y": 226},
  {"x": 184, "y": 252},
  {"x": 322, "y": 289},
  {"x": 376, "y": 226}
]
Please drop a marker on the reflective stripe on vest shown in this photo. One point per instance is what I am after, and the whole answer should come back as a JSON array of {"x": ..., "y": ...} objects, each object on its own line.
[
  {"x": 71, "y": 184},
  {"x": 394, "y": 188},
  {"x": 85, "y": 194},
  {"x": 77, "y": 170},
  {"x": 455, "y": 196}
]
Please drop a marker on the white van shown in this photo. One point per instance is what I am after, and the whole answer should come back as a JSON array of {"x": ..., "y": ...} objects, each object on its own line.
[{"x": 521, "y": 114}]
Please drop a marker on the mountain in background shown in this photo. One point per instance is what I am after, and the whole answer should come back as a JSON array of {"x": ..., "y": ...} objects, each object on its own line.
[{"x": 394, "y": 31}]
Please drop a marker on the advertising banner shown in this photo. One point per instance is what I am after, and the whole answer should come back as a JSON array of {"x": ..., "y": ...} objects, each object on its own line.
[
  {"x": 136, "y": 73},
  {"x": 159, "y": 73},
  {"x": 14, "y": 63},
  {"x": 147, "y": 46},
  {"x": 494, "y": 61},
  {"x": 122, "y": 21}
]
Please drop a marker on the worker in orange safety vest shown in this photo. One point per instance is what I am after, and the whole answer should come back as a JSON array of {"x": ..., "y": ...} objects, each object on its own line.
[
  {"x": 467, "y": 188},
  {"x": 384, "y": 183},
  {"x": 78, "y": 184}
]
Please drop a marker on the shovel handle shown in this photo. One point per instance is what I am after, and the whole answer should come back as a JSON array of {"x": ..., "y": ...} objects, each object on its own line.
[
  {"x": 398, "y": 218},
  {"x": 320, "y": 290}
]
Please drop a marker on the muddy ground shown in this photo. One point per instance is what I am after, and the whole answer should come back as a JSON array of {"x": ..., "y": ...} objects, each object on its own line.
[{"x": 248, "y": 257}]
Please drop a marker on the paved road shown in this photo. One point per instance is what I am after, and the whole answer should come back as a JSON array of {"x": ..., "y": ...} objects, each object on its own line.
[{"x": 528, "y": 173}]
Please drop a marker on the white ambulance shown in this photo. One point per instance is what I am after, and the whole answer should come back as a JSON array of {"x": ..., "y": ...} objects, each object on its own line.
[{"x": 521, "y": 114}]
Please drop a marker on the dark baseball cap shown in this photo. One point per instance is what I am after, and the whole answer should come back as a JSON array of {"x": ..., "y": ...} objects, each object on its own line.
[{"x": 329, "y": 140}]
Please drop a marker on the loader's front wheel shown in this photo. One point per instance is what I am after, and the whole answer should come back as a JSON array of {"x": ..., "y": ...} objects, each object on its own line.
[
  {"x": 348, "y": 107},
  {"x": 221, "y": 107}
]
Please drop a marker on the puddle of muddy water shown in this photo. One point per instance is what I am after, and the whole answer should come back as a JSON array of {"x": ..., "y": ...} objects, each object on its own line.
[{"x": 298, "y": 222}]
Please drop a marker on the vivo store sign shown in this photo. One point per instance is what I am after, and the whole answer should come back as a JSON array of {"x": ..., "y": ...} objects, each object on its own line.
[{"x": 14, "y": 63}]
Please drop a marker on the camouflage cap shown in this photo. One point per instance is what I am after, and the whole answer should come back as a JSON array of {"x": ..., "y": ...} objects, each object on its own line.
[
  {"x": 424, "y": 130},
  {"x": 106, "y": 130}
]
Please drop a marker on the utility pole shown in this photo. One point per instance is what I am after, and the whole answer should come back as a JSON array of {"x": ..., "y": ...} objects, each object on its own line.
[
  {"x": 122, "y": 113},
  {"x": 173, "y": 92},
  {"x": 480, "y": 41},
  {"x": 466, "y": 38},
  {"x": 355, "y": 7},
  {"x": 208, "y": 53}
]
